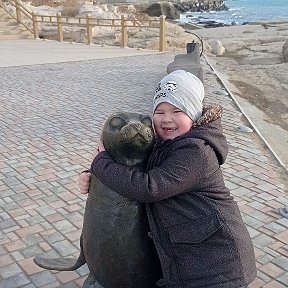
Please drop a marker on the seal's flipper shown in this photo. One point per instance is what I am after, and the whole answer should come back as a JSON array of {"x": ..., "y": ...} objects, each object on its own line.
[{"x": 60, "y": 264}]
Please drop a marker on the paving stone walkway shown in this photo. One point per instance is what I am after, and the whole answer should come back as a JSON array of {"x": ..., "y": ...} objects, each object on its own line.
[{"x": 51, "y": 116}]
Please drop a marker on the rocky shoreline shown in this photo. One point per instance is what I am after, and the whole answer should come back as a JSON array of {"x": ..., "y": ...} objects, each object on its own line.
[
  {"x": 172, "y": 11},
  {"x": 201, "y": 6}
]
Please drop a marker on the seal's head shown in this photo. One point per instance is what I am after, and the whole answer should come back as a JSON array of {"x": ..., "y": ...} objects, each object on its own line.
[{"x": 128, "y": 138}]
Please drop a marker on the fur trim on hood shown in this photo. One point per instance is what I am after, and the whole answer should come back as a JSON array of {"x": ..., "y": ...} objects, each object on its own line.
[{"x": 210, "y": 113}]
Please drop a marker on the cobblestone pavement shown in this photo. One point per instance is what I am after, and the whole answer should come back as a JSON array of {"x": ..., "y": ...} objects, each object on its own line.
[{"x": 51, "y": 116}]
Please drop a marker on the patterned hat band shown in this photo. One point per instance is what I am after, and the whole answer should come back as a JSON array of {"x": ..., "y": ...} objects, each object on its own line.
[{"x": 183, "y": 90}]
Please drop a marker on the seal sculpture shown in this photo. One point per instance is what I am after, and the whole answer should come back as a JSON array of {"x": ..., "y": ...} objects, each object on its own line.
[{"x": 114, "y": 241}]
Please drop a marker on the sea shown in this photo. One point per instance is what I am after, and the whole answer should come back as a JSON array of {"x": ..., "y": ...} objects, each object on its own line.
[{"x": 241, "y": 12}]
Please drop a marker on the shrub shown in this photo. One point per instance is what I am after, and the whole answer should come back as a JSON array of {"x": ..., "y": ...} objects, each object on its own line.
[{"x": 71, "y": 7}]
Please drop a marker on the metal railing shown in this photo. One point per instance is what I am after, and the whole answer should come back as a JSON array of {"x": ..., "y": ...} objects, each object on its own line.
[{"x": 31, "y": 21}]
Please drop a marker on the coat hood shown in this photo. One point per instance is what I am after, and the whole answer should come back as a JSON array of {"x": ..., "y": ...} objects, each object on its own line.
[
  {"x": 209, "y": 128},
  {"x": 212, "y": 134}
]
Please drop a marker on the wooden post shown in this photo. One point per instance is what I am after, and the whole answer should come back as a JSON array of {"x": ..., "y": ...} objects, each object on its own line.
[
  {"x": 59, "y": 27},
  {"x": 162, "y": 40},
  {"x": 18, "y": 11},
  {"x": 124, "y": 34},
  {"x": 89, "y": 29},
  {"x": 35, "y": 26}
]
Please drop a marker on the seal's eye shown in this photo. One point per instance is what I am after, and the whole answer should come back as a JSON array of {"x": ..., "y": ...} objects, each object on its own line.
[
  {"x": 117, "y": 122},
  {"x": 147, "y": 121}
]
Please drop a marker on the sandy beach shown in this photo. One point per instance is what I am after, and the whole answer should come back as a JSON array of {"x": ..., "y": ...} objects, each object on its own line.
[
  {"x": 255, "y": 72},
  {"x": 254, "y": 63}
]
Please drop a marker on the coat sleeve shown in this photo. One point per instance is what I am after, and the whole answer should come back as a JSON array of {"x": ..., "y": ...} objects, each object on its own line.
[{"x": 184, "y": 170}]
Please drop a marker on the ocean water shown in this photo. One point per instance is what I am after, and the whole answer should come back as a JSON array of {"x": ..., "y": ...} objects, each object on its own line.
[{"x": 241, "y": 11}]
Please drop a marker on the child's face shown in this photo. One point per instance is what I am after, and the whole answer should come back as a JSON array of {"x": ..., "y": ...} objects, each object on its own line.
[{"x": 170, "y": 122}]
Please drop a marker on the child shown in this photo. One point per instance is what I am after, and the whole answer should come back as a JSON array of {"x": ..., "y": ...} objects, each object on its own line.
[{"x": 196, "y": 225}]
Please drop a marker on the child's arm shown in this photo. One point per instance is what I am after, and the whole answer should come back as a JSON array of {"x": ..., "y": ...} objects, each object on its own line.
[{"x": 185, "y": 169}]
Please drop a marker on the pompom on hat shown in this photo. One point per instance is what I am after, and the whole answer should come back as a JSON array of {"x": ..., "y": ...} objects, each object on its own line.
[{"x": 183, "y": 90}]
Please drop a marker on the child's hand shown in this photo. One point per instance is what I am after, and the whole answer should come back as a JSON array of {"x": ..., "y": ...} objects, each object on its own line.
[
  {"x": 85, "y": 177},
  {"x": 98, "y": 149},
  {"x": 84, "y": 182}
]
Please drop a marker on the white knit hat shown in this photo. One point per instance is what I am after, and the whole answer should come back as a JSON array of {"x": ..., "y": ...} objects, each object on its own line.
[{"x": 183, "y": 90}]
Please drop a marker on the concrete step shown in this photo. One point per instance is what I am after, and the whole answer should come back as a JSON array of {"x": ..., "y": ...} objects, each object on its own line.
[
  {"x": 13, "y": 29},
  {"x": 10, "y": 29},
  {"x": 5, "y": 18},
  {"x": 8, "y": 23},
  {"x": 8, "y": 32},
  {"x": 15, "y": 37}
]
